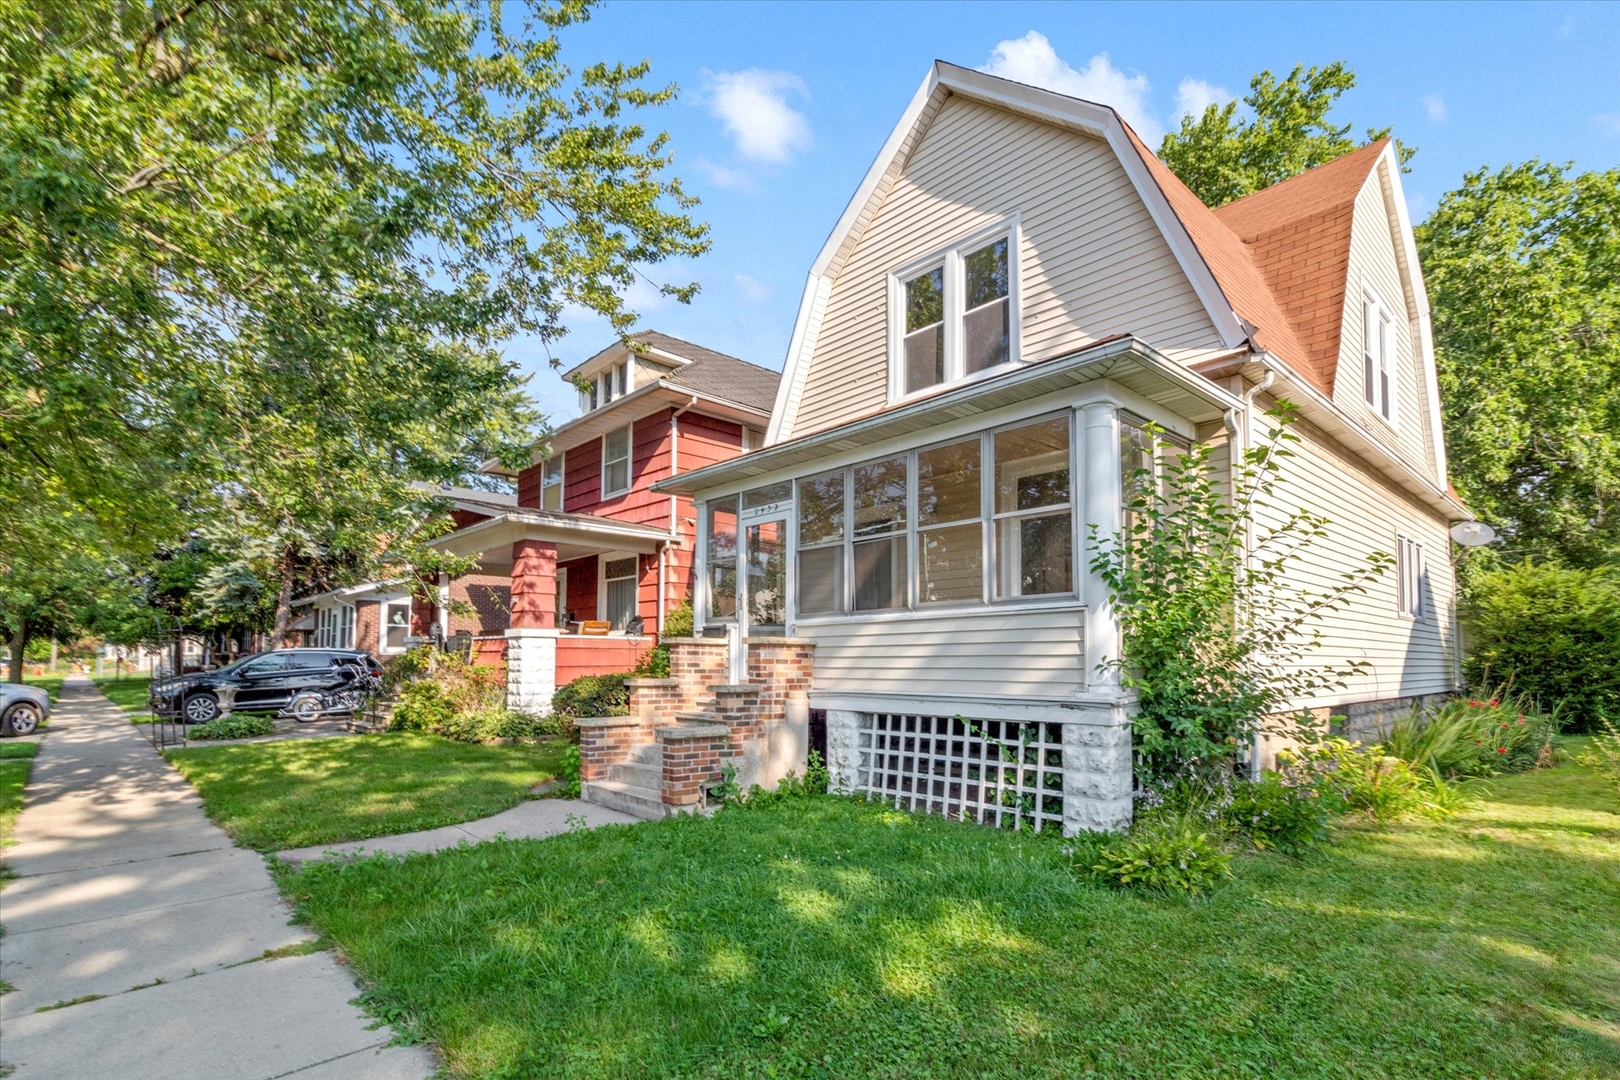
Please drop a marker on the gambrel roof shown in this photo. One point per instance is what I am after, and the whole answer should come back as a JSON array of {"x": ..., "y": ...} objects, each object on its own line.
[{"x": 1270, "y": 269}]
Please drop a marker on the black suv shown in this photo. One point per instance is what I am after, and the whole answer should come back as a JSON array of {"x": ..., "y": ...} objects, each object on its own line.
[{"x": 263, "y": 682}]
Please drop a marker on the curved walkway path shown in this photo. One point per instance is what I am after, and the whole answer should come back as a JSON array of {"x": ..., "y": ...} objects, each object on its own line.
[{"x": 156, "y": 936}]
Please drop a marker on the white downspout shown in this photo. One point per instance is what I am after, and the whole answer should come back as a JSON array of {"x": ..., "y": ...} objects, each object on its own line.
[{"x": 1244, "y": 433}]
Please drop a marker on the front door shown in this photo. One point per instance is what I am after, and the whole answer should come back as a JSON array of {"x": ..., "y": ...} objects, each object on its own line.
[{"x": 765, "y": 589}]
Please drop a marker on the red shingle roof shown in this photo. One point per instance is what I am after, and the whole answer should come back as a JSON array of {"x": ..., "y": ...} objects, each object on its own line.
[{"x": 1281, "y": 255}]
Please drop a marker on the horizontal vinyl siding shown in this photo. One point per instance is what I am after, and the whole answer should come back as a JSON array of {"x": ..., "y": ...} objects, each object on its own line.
[
  {"x": 1406, "y": 657},
  {"x": 1372, "y": 260},
  {"x": 1093, "y": 262},
  {"x": 994, "y": 653}
]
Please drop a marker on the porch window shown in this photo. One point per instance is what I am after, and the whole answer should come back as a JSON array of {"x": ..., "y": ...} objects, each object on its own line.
[
  {"x": 619, "y": 583},
  {"x": 1034, "y": 521},
  {"x": 821, "y": 544},
  {"x": 722, "y": 560},
  {"x": 880, "y": 534},
  {"x": 1378, "y": 355},
  {"x": 334, "y": 627},
  {"x": 950, "y": 527},
  {"x": 616, "y": 462},
  {"x": 396, "y": 625},
  {"x": 956, "y": 313},
  {"x": 551, "y": 483}
]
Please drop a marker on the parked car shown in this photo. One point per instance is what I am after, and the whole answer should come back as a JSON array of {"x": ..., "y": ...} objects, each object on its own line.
[
  {"x": 263, "y": 682},
  {"x": 22, "y": 709}
]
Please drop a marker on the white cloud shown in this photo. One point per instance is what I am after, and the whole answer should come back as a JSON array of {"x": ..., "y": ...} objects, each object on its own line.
[
  {"x": 1608, "y": 123},
  {"x": 753, "y": 107},
  {"x": 753, "y": 290},
  {"x": 1436, "y": 105},
  {"x": 724, "y": 176},
  {"x": 1032, "y": 60},
  {"x": 1193, "y": 96}
]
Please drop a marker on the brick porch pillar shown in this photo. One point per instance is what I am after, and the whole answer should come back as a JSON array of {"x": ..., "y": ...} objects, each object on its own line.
[{"x": 531, "y": 647}]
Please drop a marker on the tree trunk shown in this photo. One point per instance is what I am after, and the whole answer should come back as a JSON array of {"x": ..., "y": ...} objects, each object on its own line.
[
  {"x": 283, "y": 600},
  {"x": 19, "y": 641}
]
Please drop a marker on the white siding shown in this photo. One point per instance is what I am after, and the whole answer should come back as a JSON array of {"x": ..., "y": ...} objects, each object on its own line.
[
  {"x": 1373, "y": 261},
  {"x": 1093, "y": 262},
  {"x": 1406, "y": 656},
  {"x": 1005, "y": 653}
]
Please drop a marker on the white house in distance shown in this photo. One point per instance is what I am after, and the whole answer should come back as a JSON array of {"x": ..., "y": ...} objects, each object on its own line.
[{"x": 1016, "y": 287}]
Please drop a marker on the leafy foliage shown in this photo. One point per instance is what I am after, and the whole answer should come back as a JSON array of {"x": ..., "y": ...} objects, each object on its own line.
[
  {"x": 1277, "y": 815},
  {"x": 1168, "y": 853},
  {"x": 1353, "y": 779},
  {"x": 677, "y": 623},
  {"x": 1523, "y": 270},
  {"x": 592, "y": 695},
  {"x": 1604, "y": 754},
  {"x": 1222, "y": 156},
  {"x": 1214, "y": 641},
  {"x": 1492, "y": 732},
  {"x": 1552, "y": 633},
  {"x": 235, "y": 726}
]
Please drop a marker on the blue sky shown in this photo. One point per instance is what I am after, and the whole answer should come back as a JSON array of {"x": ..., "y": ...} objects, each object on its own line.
[{"x": 782, "y": 108}]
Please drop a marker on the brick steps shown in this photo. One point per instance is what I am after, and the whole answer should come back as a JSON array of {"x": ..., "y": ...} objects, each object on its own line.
[{"x": 649, "y": 776}]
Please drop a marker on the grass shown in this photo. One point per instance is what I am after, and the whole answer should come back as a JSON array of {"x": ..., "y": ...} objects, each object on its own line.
[
  {"x": 833, "y": 938},
  {"x": 302, "y": 792},
  {"x": 128, "y": 693},
  {"x": 15, "y": 764},
  {"x": 51, "y": 684}
]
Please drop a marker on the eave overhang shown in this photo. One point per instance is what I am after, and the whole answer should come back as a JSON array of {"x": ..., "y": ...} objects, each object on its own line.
[
  {"x": 574, "y": 535},
  {"x": 1125, "y": 361}
]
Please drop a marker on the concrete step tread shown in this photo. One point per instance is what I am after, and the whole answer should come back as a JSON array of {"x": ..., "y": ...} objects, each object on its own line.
[{"x": 647, "y": 776}]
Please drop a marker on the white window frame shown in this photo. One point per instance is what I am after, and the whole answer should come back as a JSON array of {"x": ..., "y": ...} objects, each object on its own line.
[
  {"x": 334, "y": 626},
  {"x": 1409, "y": 567},
  {"x": 1383, "y": 361},
  {"x": 556, "y": 459},
  {"x": 602, "y": 582},
  {"x": 955, "y": 285},
  {"x": 628, "y": 459},
  {"x": 382, "y": 623},
  {"x": 560, "y": 616}
]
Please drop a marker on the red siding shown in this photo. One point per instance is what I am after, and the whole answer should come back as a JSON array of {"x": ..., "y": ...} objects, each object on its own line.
[
  {"x": 577, "y": 656},
  {"x": 581, "y": 586},
  {"x": 528, "y": 486},
  {"x": 464, "y": 518}
]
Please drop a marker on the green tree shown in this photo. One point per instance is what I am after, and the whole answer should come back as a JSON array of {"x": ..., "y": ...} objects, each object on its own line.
[
  {"x": 259, "y": 257},
  {"x": 1222, "y": 156},
  {"x": 1523, "y": 270}
]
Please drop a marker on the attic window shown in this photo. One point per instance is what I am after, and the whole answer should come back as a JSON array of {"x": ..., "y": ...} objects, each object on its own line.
[
  {"x": 1378, "y": 355},
  {"x": 956, "y": 313},
  {"x": 610, "y": 384}
]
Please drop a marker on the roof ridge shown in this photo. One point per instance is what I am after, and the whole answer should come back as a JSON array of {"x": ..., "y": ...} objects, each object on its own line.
[{"x": 1315, "y": 175}]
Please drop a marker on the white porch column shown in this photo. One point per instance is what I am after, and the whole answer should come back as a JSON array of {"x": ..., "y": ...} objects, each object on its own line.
[
  {"x": 1103, "y": 494},
  {"x": 442, "y": 599},
  {"x": 531, "y": 669}
]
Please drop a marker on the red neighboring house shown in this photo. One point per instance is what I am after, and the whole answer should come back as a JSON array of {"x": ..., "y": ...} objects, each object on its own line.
[{"x": 589, "y": 542}]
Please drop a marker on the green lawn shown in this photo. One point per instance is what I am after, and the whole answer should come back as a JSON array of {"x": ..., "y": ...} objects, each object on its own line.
[
  {"x": 832, "y": 938},
  {"x": 272, "y": 796},
  {"x": 51, "y": 684},
  {"x": 128, "y": 693},
  {"x": 15, "y": 762}
]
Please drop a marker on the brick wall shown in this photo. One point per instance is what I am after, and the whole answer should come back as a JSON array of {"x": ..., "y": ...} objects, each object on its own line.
[
  {"x": 605, "y": 741},
  {"x": 693, "y": 755},
  {"x": 489, "y": 596},
  {"x": 366, "y": 626}
]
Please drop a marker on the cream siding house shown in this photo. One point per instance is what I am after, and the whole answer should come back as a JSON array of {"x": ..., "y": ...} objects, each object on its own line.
[{"x": 1017, "y": 284}]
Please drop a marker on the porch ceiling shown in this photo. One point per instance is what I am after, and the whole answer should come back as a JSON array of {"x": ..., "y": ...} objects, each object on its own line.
[
  {"x": 576, "y": 535},
  {"x": 1126, "y": 361}
]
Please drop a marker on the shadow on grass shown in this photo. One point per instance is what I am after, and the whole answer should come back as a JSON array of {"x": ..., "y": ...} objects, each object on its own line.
[
  {"x": 277, "y": 795},
  {"x": 835, "y": 938}
]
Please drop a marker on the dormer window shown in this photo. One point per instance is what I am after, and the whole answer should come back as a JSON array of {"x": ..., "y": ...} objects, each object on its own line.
[
  {"x": 606, "y": 386},
  {"x": 1378, "y": 355},
  {"x": 956, "y": 313}
]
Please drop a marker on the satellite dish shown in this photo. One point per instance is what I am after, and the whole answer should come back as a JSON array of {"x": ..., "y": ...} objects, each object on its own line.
[{"x": 1472, "y": 533}]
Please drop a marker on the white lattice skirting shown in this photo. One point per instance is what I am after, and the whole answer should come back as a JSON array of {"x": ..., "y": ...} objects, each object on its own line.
[{"x": 996, "y": 772}]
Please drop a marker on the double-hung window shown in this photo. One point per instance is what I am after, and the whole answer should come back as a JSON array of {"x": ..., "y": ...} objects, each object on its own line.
[
  {"x": 1378, "y": 355},
  {"x": 879, "y": 534},
  {"x": 551, "y": 483},
  {"x": 616, "y": 462},
  {"x": 956, "y": 314},
  {"x": 1034, "y": 517},
  {"x": 396, "y": 625},
  {"x": 821, "y": 544},
  {"x": 950, "y": 523},
  {"x": 1409, "y": 577},
  {"x": 619, "y": 581}
]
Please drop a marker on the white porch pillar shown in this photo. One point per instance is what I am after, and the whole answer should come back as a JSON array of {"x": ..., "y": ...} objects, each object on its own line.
[
  {"x": 442, "y": 599},
  {"x": 531, "y": 669},
  {"x": 1103, "y": 494}
]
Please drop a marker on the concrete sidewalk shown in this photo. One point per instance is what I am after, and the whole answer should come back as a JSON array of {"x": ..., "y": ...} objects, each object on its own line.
[
  {"x": 534, "y": 820},
  {"x": 128, "y": 894}
]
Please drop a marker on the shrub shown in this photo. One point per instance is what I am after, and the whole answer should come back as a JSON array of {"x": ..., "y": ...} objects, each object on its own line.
[
  {"x": 235, "y": 726},
  {"x": 1604, "y": 754},
  {"x": 593, "y": 695},
  {"x": 1489, "y": 733},
  {"x": 422, "y": 707},
  {"x": 568, "y": 776},
  {"x": 1289, "y": 818},
  {"x": 482, "y": 725},
  {"x": 1554, "y": 633},
  {"x": 1351, "y": 779},
  {"x": 1165, "y": 851},
  {"x": 559, "y": 726}
]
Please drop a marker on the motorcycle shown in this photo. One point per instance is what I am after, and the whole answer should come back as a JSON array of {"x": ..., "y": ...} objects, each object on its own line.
[{"x": 345, "y": 700}]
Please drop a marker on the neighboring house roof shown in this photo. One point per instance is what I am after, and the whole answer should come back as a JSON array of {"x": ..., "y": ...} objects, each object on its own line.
[{"x": 703, "y": 369}]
